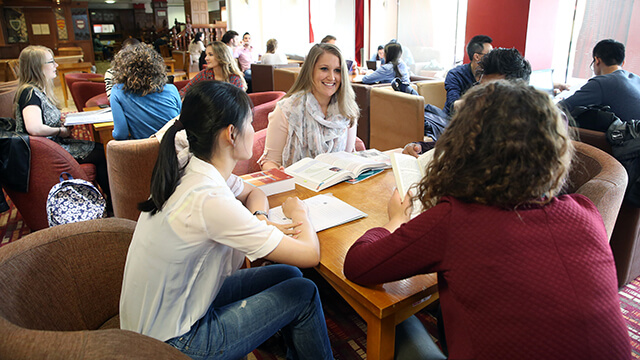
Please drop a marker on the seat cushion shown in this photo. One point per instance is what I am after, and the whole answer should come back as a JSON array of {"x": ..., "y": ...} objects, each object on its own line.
[
  {"x": 98, "y": 100},
  {"x": 113, "y": 323}
]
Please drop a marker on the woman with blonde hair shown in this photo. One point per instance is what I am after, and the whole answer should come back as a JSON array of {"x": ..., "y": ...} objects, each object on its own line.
[
  {"x": 512, "y": 255},
  {"x": 271, "y": 57},
  {"x": 37, "y": 111},
  {"x": 318, "y": 115},
  {"x": 221, "y": 66},
  {"x": 141, "y": 101}
]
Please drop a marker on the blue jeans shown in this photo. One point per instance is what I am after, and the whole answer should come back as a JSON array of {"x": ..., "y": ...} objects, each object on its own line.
[
  {"x": 252, "y": 305},
  {"x": 414, "y": 342}
]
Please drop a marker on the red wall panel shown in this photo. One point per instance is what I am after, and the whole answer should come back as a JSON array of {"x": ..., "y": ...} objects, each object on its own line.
[{"x": 504, "y": 20}]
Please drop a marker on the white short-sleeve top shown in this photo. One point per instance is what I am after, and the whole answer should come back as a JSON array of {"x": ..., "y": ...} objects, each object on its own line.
[{"x": 179, "y": 257}]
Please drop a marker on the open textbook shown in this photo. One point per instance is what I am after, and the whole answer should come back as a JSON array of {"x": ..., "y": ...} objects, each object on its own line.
[
  {"x": 325, "y": 211},
  {"x": 332, "y": 168},
  {"x": 408, "y": 170},
  {"x": 89, "y": 117}
]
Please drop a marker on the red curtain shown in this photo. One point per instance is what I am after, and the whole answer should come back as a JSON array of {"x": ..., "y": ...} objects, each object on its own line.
[
  {"x": 359, "y": 29},
  {"x": 311, "y": 37}
]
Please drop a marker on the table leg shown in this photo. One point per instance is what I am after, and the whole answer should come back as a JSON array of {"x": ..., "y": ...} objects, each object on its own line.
[
  {"x": 63, "y": 82},
  {"x": 381, "y": 334}
]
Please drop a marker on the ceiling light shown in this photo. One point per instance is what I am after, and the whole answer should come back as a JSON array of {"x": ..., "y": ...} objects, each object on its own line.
[{"x": 110, "y": 1}]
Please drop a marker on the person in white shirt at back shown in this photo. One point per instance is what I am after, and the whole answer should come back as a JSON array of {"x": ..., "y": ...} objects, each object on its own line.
[{"x": 272, "y": 57}]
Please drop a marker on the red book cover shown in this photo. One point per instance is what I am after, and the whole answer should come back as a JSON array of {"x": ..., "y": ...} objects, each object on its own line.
[{"x": 271, "y": 181}]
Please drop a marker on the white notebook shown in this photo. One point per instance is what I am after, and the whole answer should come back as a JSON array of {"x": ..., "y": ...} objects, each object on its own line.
[
  {"x": 89, "y": 117},
  {"x": 325, "y": 211}
]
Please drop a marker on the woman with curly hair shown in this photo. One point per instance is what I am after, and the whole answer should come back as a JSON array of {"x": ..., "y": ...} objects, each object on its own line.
[
  {"x": 141, "y": 101},
  {"x": 318, "y": 115},
  {"x": 512, "y": 255},
  {"x": 37, "y": 111},
  {"x": 221, "y": 66}
]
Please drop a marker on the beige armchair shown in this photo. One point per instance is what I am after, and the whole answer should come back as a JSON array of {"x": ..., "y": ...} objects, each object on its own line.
[
  {"x": 396, "y": 118},
  {"x": 61, "y": 292},
  {"x": 283, "y": 78},
  {"x": 130, "y": 164}
]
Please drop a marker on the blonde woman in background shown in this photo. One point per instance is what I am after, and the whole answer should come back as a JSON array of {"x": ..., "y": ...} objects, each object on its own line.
[
  {"x": 271, "y": 57},
  {"x": 221, "y": 66},
  {"x": 318, "y": 115},
  {"x": 37, "y": 111}
]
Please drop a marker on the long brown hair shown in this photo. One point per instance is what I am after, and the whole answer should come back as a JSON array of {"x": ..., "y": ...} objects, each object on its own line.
[
  {"x": 345, "y": 95},
  {"x": 506, "y": 146},
  {"x": 228, "y": 64},
  {"x": 32, "y": 60}
]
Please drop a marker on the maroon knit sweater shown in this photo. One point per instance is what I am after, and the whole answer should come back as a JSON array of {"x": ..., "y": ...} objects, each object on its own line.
[{"x": 536, "y": 283}]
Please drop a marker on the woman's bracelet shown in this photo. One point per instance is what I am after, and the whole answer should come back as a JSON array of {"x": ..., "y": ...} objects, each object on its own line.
[{"x": 59, "y": 130}]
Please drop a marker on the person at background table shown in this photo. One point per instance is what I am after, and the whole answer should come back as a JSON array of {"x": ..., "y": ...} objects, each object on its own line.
[
  {"x": 329, "y": 39},
  {"x": 141, "y": 101},
  {"x": 182, "y": 283},
  {"x": 462, "y": 77},
  {"x": 221, "y": 66},
  {"x": 108, "y": 75},
  {"x": 230, "y": 38},
  {"x": 37, "y": 111},
  {"x": 318, "y": 115},
  {"x": 379, "y": 55},
  {"x": 272, "y": 57},
  {"x": 98, "y": 46},
  {"x": 393, "y": 68},
  {"x": 521, "y": 269},
  {"x": 246, "y": 55},
  {"x": 196, "y": 47},
  {"x": 498, "y": 64},
  {"x": 611, "y": 86}
]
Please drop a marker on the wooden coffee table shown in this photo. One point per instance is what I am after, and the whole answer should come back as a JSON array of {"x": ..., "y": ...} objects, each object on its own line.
[{"x": 382, "y": 306}]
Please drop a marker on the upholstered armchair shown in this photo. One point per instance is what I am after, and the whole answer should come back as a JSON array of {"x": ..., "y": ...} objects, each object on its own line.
[
  {"x": 48, "y": 161},
  {"x": 600, "y": 177},
  {"x": 130, "y": 164},
  {"x": 625, "y": 239},
  {"x": 263, "y": 104},
  {"x": 262, "y": 76},
  {"x": 397, "y": 118},
  {"x": 87, "y": 94},
  {"x": 283, "y": 78},
  {"x": 61, "y": 293},
  {"x": 71, "y": 78}
]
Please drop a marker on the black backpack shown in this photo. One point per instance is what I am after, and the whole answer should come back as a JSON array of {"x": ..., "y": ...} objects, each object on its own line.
[{"x": 624, "y": 138}]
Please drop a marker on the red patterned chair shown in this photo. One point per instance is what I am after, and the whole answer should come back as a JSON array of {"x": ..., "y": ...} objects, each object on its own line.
[
  {"x": 263, "y": 104},
  {"x": 48, "y": 160}
]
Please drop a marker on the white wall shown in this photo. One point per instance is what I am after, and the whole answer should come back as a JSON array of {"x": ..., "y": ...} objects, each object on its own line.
[
  {"x": 175, "y": 12},
  {"x": 287, "y": 21},
  {"x": 384, "y": 24}
]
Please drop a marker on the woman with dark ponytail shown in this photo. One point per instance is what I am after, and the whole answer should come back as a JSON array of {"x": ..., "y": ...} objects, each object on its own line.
[
  {"x": 393, "y": 67},
  {"x": 181, "y": 280}
]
